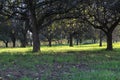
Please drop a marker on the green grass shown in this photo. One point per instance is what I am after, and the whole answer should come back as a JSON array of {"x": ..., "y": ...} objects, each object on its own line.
[{"x": 83, "y": 62}]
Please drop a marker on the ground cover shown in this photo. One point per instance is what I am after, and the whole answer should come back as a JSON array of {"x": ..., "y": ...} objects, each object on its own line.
[{"x": 83, "y": 62}]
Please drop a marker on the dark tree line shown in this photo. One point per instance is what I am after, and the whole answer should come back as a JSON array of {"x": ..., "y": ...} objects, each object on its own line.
[{"x": 37, "y": 15}]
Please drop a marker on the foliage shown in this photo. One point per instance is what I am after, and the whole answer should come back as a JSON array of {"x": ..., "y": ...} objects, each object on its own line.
[{"x": 41, "y": 14}]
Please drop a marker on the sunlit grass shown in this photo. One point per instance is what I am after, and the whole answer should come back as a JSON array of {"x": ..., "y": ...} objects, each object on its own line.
[
  {"x": 60, "y": 49},
  {"x": 75, "y": 48},
  {"x": 15, "y": 50},
  {"x": 82, "y": 62}
]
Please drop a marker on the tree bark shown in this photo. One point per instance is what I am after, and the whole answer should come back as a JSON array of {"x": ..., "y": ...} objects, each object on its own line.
[
  {"x": 109, "y": 41},
  {"x": 14, "y": 43},
  {"x": 6, "y": 44},
  {"x": 34, "y": 25},
  {"x": 24, "y": 41},
  {"x": 71, "y": 40},
  {"x": 80, "y": 41},
  {"x": 68, "y": 41},
  {"x": 50, "y": 42},
  {"x": 13, "y": 39},
  {"x": 100, "y": 43},
  {"x": 24, "y": 33},
  {"x": 36, "y": 42},
  {"x": 77, "y": 41},
  {"x": 94, "y": 40}
]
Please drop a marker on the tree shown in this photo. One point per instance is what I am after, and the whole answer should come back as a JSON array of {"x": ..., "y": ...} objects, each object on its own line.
[
  {"x": 45, "y": 10},
  {"x": 23, "y": 28},
  {"x": 39, "y": 14},
  {"x": 5, "y": 33},
  {"x": 72, "y": 28},
  {"x": 97, "y": 14},
  {"x": 49, "y": 33},
  {"x": 69, "y": 27}
]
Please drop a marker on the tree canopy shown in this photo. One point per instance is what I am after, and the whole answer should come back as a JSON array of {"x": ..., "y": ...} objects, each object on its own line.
[{"x": 39, "y": 14}]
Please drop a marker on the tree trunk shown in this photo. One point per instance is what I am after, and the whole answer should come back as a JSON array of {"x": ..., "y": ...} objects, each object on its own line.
[
  {"x": 34, "y": 25},
  {"x": 50, "y": 42},
  {"x": 80, "y": 41},
  {"x": 36, "y": 42},
  {"x": 71, "y": 40},
  {"x": 13, "y": 38},
  {"x": 100, "y": 43},
  {"x": 14, "y": 43},
  {"x": 68, "y": 41},
  {"x": 23, "y": 44},
  {"x": 77, "y": 41},
  {"x": 24, "y": 33},
  {"x": 109, "y": 41},
  {"x": 6, "y": 44},
  {"x": 94, "y": 40},
  {"x": 24, "y": 41}
]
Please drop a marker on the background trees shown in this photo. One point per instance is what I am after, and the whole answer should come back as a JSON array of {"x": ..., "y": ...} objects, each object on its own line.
[
  {"x": 5, "y": 33},
  {"x": 41, "y": 12},
  {"x": 97, "y": 14},
  {"x": 76, "y": 16}
]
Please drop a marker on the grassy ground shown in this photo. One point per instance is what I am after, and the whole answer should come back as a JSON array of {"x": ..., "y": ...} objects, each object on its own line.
[{"x": 84, "y": 62}]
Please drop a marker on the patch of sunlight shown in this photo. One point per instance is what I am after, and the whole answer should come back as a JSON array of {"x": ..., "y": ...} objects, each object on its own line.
[
  {"x": 15, "y": 50},
  {"x": 116, "y": 45},
  {"x": 89, "y": 47},
  {"x": 57, "y": 49}
]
